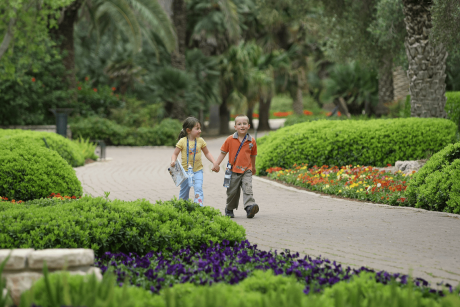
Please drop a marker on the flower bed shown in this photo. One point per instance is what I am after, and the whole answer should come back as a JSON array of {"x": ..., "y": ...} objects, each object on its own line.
[
  {"x": 360, "y": 182},
  {"x": 231, "y": 264}
]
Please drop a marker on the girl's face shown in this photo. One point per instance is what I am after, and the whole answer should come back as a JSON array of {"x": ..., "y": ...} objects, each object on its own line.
[{"x": 195, "y": 132}]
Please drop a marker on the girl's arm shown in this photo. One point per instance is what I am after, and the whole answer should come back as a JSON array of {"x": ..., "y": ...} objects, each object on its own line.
[
  {"x": 208, "y": 155},
  {"x": 174, "y": 156}
]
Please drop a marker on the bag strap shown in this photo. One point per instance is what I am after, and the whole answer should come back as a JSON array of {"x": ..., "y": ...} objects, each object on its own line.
[
  {"x": 196, "y": 141},
  {"x": 239, "y": 148}
]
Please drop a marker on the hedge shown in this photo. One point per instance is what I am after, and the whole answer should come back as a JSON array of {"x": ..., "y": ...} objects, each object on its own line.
[
  {"x": 375, "y": 142},
  {"x": 103, "y": 225},
  {"x": 96, "y": 128},
  {"x": 453, "y": 107},
  {"x": 66, "y": 148},
  {"x": 436, "y": 186},
  {"x": 29, "y": 171},
  {"x": 262, "y": 289}
]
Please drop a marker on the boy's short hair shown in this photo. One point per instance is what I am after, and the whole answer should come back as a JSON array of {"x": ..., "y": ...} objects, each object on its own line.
[{"x": 239, "y": 116}]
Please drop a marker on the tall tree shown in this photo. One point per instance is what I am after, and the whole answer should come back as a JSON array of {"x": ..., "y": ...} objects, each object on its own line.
[{"x": 427, "y": 54}]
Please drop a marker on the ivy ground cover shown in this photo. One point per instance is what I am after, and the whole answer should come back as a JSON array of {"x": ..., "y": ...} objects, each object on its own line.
[
  {"x": 359, "y": 182},
  {"x": 231, "y": 264}
]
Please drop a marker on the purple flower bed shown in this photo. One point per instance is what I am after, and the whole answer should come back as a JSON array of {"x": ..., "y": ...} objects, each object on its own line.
[{"x": 231, "y": 264}]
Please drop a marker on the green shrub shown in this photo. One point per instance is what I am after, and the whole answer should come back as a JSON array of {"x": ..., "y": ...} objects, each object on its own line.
[
  {"x": 30, "y": 171},
  {"x": 67, "y": 149},
  {"x": 87, "y": 148},
  {"x": 453, "y": 107},
  {"x": 262, "y": 289},
  {"x": 104, "y": 225},
  {"x": 436, "y": 186},
  {"x": 95, "y": 128},
  {"x": 375, "y": 142}
]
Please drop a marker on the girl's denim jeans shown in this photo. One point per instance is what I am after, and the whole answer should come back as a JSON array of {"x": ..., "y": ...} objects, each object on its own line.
[{"x": 197, "y": 188}]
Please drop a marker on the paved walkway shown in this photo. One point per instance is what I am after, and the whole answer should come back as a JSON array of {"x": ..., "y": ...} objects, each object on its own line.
[{"x": 354, "y": 233}]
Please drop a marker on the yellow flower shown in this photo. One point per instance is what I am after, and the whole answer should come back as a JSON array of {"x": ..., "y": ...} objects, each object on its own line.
[
  {"x": 361, "y": 190},
  {"x": 327, "y": 186},
  {"x": 304, "y": 167},
  {"x": 340, "y": 191}
]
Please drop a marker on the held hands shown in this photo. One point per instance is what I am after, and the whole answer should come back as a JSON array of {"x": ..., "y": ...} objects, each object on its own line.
[
  {"x": 215, "y": 168},
  {"x": 173, "y": 163}
]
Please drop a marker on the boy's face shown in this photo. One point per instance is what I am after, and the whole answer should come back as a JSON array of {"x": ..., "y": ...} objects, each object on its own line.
[{"x": 241, "y": 125}]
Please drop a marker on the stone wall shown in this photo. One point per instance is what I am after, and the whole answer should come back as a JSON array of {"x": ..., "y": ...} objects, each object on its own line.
[
  {"x": 43, "y": 128},
  {"x": 24, "y": 266}
]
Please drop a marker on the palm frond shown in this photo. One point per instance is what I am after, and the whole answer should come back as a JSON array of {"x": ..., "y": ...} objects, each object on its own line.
[{"x": 230, "y": 13}]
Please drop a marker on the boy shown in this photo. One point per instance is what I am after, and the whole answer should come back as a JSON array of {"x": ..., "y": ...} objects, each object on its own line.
[{"x": 242, "y": 168}]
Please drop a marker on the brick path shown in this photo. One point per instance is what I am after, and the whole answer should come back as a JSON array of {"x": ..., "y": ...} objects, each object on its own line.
[{"x": 354, "y": 233}]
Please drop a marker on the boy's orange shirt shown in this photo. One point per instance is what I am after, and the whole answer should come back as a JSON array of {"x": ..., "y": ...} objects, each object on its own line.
[{"x": 243, "y": 161}]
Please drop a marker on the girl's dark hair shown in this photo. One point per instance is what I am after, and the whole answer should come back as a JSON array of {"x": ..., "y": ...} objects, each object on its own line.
[{"x": 188, "y": 123}]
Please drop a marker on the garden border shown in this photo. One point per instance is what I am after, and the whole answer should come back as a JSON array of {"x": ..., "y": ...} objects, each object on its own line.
[{"x": 295, "y": 188}]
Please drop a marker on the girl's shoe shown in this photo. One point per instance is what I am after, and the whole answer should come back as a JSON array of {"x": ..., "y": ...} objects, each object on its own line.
[{"x": 229, "y": 213}]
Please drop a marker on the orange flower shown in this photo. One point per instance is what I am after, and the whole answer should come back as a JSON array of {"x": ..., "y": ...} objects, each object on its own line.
[
  {"x": 114, "y": 88},
  {"x": 306, "y": 112},
  {"x": 86, "y": 78},
  {"x": 79, "y": 88},
  {"x": 33, "y": 79},
  {"x": 95, "y": 89}
]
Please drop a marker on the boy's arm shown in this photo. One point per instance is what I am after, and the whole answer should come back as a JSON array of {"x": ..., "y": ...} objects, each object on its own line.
[
  {"x": 253, "y": 161},
  {"x": 220, "y": 158}
]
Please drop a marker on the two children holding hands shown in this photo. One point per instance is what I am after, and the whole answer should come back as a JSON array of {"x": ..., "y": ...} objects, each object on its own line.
[{"x": 242, "y": 150}]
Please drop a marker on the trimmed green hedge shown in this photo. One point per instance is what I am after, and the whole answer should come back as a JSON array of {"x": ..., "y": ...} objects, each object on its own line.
[
  {"x": 262, "y": 289},
  {"x": 29, "y": 171},
  {"x": 375, "y": 142},
  {"x": 436, "y": 186},
  {"x": 96, "y": 128},
  {"x": 453, "y": 107},
  {"x": 104, "y": 225},
  {"x": 67, "y": 149}
]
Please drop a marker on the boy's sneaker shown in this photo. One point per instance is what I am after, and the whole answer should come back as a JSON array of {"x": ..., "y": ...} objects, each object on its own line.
[
  {"x": 229, "y": 213},
  {"x": 251, "y": 210}
]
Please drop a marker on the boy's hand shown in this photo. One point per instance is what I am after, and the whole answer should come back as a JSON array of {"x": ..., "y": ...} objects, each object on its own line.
[
  {"x": 173, "y": 163},
  {"x": 216, "y": 168}
]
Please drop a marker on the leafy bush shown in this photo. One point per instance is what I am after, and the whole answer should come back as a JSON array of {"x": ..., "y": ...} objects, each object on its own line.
[
  {"x": 104, "y": 225},
  {"x": 29, "y": 171},
  {"x": 375, "y": 142},
  {"x": 96, "y": 128},
  {"x": 263, "y": 289},
  {"x": 67, "y": 149},
  {"x": 436, "y": 186},
  {"x": 92, "y": 101},
  {"x": 453, "y": 107},
  {"x": 87, "y": 148}
]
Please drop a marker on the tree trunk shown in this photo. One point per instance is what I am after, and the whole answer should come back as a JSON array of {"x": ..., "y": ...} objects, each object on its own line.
[
  {"x": 264, "y": 114},
  {"x": 427, "y": 62},
  {"x": 249, "y": 115},
  {"x": 179, "y": 19},
  {"x": 224, "y": 116},
  {"x": 64, "y": 35},
  {"x": 386, "y": 92},
  {"x": 297, "y": 102}
]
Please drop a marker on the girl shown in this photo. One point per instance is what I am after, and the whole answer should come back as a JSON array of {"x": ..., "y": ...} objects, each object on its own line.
[{"x": 190, "y": 145}]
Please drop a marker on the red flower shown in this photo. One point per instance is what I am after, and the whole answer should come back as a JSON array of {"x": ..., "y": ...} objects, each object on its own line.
[
  {"x": 306, "y": 112},
  {"x": 339, "y": 114},
  {"x": 255, "y": 115},
  {"x": 79, "y": 88},
  {"x": 114, "y": 88},
  {"x": 73, "y": 197},
  {"x": 388, "y": 164},
  {"x": 33, "y": 79},
  {"x": 95, "y": 89},
  {"x": 86, "y": 78}
]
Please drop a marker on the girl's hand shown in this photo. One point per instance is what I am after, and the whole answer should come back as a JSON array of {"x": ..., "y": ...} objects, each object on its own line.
[
  {"x": 216, "y": 168},
  {"x": 173, "y": 163}
]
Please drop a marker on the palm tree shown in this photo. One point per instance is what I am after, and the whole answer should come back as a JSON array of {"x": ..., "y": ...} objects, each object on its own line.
[
  {"x": 427, "y": 61},
  {"x": 136, "y": 19}
]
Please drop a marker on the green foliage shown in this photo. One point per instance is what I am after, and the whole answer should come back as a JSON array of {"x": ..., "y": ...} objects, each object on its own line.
[
  {"x": 87, "y": 148},
  {"x": 104, "y": 225},
  {"x": 373, "y": 142},
  {"x": 453, "y": 107},
  {"x": 135, "y": 113},
  {"x": 96, "y": 128},
  {"x": 94, "y": 101},
  {"x": 356, "y": 84},
  {"x": 262, "y": 289},
  {"x": 436, "y": 186},
  {"x": 5, "y": 300},
  {"x": 29, "y": 171},
  {"x": 26, "y": 97},
  {"x": 25, "y": 25},
  {"x": 445, "y": 16},
  {"x": 67, "y": 149}
]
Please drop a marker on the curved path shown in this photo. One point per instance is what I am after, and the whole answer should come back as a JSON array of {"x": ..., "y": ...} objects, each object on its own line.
[{"x": 381, "y": 237}]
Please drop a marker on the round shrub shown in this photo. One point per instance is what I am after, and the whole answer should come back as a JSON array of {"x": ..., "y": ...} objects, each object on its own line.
[
  {"x": 375, "y": 142},
  {"x": 436, "y": 186},
  {"x": 67, "y": 149},
  {"x": 98, "y": 128},
  {"x": 117, "y": 226},
  {"x": 31, "y": 171}
]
